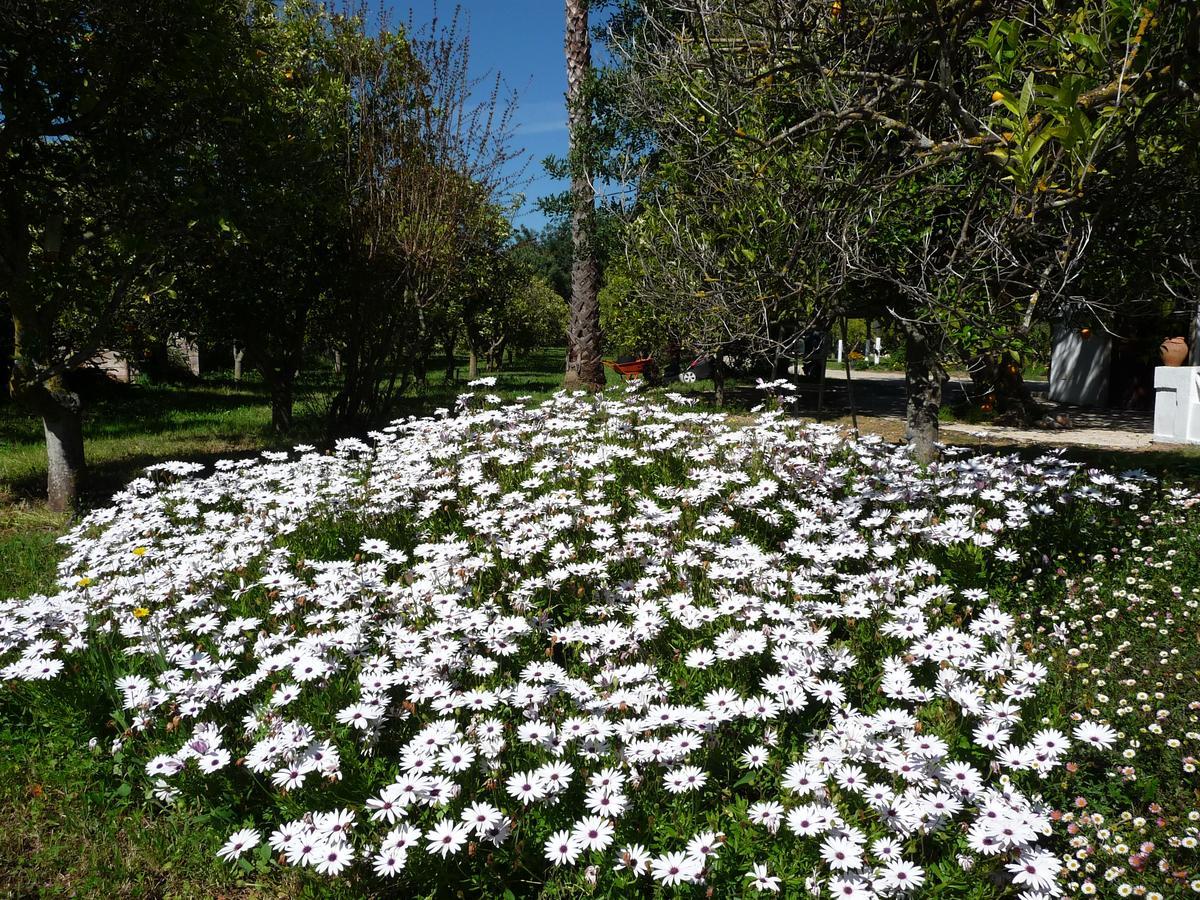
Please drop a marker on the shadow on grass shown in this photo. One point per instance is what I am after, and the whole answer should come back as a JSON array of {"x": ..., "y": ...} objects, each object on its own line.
[
  {"x": 1180, "y": 464},
  {"x": 1172, "y": 463},
  {"x": 118, "y": 410},
  {"x": 128, "y": 427}
]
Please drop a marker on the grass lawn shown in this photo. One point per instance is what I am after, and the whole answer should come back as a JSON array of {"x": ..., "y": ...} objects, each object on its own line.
[
  {"x": 1110, "y": 608},
  {"x": 129, "y": 427}
]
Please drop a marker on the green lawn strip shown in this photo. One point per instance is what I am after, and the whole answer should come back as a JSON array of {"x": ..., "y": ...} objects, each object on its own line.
[{"x": 28, "y": 556}]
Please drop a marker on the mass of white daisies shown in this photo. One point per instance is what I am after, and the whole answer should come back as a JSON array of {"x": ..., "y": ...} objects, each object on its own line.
[{"x": 602, "y": 634}]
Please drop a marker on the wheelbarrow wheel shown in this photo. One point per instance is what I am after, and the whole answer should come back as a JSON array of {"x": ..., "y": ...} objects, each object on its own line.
[{"x": 687, "y": 376}]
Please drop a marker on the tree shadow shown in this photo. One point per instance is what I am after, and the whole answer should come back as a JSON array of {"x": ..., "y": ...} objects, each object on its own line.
[
  {"x": 532, "y": 387},
  {"x": 1176, "y": 464},
  {"x": 107, "y": 477},
  {"x": 117, "y": 411}
]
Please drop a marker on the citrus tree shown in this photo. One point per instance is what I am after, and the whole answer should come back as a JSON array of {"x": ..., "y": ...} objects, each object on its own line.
[
  {"x": 959, "y": 153},
  {"x": 104, "y": 148}
]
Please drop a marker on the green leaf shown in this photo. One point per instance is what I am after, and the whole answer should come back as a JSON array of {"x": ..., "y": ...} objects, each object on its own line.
[
  {"x": 748, "y": 778},
  {"x": 1039, "y": 140},
  {"x": 1086, "y": 41},
  {"x": 1026, "y": 96}
]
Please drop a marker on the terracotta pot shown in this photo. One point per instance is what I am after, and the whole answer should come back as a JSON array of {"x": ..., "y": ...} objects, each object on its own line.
[{"x": 1174, "y": 351}]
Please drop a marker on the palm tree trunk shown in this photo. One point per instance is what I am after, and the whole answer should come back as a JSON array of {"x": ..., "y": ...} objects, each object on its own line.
[{"x": 585, "y": 369}]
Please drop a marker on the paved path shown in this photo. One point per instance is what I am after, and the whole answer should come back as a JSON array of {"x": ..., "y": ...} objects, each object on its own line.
[
  {"x": 878, "y": 393},
  {"x": 1073, "y": 436},
  {"x": 1117, "y": 429}
]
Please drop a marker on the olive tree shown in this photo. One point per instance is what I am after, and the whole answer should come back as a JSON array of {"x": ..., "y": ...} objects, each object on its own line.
[
  {"x": 957, "y": 150},
  {"x": 103, "y": 114}
]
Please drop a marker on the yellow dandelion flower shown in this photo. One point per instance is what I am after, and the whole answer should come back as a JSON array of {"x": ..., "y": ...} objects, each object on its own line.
[{"x": 141, "y": 612}]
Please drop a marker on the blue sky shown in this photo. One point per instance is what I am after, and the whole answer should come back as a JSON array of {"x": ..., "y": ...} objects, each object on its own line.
[{"x": 523, "y": 41}]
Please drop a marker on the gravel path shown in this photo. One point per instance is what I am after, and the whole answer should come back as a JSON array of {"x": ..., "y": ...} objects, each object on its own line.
[
  {"x": 1085, "y": 437},
  {"x": 881, "y": 394}
]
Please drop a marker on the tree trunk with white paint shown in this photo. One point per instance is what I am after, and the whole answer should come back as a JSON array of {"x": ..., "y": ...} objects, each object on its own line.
[{"x": 923, "y": 377}]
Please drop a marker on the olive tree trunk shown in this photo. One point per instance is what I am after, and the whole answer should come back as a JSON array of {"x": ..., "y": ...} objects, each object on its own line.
[
  {"x": 924, "y": 377},
  {"x": 60, "y": 410},
  {"x": 283, "y": 402},
  {"x": 63, "y": 425},
  {"x": 1001, "y": 375},
  {"x": 718, "y": 377}
]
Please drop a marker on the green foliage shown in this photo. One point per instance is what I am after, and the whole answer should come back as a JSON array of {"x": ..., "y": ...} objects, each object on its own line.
[
  {"x": 537, "y": 316},
  {"x": 630, "y": 325},
  {"x": 255, "y": 270},
  {"x": 105, "y": 143},
  {"x": 547, "y": 254},
  {"x": 515, "y": 318},
  {"x": 1073, "y": 89},
  {"x": 822, "y": 162},
  {"x": 721, "y": 251},
  {"x": 424, "y": 252}
]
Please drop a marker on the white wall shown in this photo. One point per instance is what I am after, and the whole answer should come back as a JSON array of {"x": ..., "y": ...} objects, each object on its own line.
[{"x": 1079, "y": 366}]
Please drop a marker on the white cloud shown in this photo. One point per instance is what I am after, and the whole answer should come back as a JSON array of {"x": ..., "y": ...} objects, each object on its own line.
[{"x": 546, "y": 126}]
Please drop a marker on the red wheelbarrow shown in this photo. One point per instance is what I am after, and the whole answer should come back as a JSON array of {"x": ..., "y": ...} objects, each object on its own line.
[{"x": 630, "y": 370}]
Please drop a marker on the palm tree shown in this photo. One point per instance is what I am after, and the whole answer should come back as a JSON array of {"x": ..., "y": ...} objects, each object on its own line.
[{"x": 584, "y": 366}]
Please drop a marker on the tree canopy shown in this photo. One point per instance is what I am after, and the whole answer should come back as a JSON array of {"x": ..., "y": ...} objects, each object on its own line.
[
  {"x": 951, "y": 167},
  {"x": 276, "y": 176}
]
